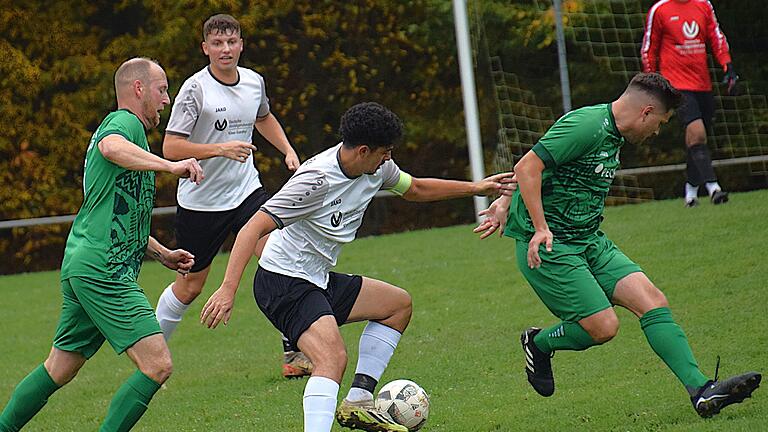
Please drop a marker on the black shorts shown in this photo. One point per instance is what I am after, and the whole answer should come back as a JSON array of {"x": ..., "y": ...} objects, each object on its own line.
[
  {"x": 293, "y": 304},
  {"x": 202, "y": 233},
  {"x": 697, "y": 105}
]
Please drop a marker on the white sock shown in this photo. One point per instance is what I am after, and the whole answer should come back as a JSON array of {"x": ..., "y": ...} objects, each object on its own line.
[
  {"x": 356, "y": 394},
  {"x": 377, "y": 344},
  {"x": 169, "y": 311},
  {"x": 691, "y": 192},
  {"x": 712, "y": 187},
  {"x": 319, "y": 404}
]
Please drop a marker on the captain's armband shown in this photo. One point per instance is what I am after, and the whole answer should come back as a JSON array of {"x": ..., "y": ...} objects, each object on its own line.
[{"x": 402, "y": 185}]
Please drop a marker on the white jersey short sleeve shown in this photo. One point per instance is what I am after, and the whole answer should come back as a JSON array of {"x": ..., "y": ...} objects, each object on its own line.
[
  {"x": 318, "y": 210},
  {"x": 207, "y": 111}
]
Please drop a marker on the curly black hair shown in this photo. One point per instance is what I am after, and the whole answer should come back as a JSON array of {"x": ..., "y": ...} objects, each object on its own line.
[{"x": 371, "y": 124}]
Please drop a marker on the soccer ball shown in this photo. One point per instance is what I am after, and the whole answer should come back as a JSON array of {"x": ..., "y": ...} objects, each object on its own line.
[{"x": 405, "y": 402}]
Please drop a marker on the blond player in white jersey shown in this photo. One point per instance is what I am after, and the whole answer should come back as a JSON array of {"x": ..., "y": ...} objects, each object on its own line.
[
  {"x": 316, "y": 212},
  {"x": 212, "y": 120}
]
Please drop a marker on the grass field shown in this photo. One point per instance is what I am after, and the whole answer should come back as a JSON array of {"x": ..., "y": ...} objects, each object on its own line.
[{"x": 470, "y": 304}]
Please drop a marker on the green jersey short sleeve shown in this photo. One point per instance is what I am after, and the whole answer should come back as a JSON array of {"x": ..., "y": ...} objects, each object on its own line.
[
  {"x": 581, "y": 155},
  {"x": 109, "y": 236}
]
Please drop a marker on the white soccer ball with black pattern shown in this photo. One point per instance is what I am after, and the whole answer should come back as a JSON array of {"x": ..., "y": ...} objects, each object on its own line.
[{"x": 405, "y": 402}]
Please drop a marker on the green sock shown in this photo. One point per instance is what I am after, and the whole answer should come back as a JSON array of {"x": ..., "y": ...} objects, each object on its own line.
[
  {"x": 29, "y": 397},
  {"x": 130, "y": 403},
  {"x": 669, "y": 342},
  {"x": 566, "y": 335}
]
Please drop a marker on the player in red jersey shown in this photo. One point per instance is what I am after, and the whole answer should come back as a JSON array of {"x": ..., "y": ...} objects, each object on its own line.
[{"x": 675, "y": 41}]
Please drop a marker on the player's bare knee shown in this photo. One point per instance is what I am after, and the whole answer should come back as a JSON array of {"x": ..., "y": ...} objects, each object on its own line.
[
  {"x": 696, "y": 139},
  {"x": 603, "y": 336},
  {"x": 402, "y": 309},
  {"x": 159, "y": 370},
  {"x": 657, "y": 298},
  {"x": 62, "y": 366},
  {"x": 188, "y": 290},
  {"x": 606, "y": 330},
  {"x": 330, "y": 362},
  {"x": 405, "y": 306},
  {"x": 165, "y": 370},
  {"x": 59, "y": 375},
  {"x": 338, "y": 356}
]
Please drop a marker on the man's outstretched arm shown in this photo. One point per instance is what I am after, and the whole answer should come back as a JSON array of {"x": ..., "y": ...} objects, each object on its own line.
[{"x": 434, "y": 189}]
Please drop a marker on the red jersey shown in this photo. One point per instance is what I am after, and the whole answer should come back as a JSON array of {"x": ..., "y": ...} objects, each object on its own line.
[{"x": 675, "y": 42}]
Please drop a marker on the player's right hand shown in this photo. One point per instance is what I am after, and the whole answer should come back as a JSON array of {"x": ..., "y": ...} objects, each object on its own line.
[
  {"x": 179, "y": 260},
  {"x": 503, "y": 184},
  {"x": 539, "y": 237},
  {"x": 236, "y": 150},
  {"x": 188, "y": 168},
  {"x": 218, "y": 308}
]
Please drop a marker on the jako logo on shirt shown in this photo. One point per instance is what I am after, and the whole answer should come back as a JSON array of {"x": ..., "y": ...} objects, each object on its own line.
[
  {"x": 690, "y": 29},
  {"x": 336, "y": 219},
  {"x": 220, "y": 125}
]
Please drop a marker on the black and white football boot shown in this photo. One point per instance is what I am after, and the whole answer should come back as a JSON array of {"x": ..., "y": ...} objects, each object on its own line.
[
  {"x": 715, "y": 395},
  {"x": 538, "y": 365}
]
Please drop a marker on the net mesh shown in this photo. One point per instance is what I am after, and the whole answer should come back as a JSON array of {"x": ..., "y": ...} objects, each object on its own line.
[{"x": 611, "y": 31}]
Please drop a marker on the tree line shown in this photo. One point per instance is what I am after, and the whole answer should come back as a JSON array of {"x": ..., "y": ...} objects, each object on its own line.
[{"x": 318, "y": 58}]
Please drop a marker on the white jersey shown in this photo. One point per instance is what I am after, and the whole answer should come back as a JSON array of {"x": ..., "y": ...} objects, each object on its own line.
[
  {"x": 318, "y": 210},
  {"x": 207, "y": 111}
]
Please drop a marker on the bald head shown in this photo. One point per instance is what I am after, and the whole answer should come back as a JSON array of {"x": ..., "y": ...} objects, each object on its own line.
[
  {"x": 135, "y": 69},
  {"x": 142, "y": 88}
]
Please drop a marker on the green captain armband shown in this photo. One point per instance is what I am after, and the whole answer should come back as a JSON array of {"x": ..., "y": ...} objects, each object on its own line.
[{"x": 403, "y": 184}]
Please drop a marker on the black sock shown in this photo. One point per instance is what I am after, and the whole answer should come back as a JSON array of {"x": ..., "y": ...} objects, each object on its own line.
[
  {"x": 287, "y": 346},
  {"x": 364, "y": 382},
  {"x": 699, "y": 168}
]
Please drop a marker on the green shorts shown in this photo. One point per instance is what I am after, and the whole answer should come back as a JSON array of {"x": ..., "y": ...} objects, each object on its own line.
[
  {"x": 578, "y": 277},
  {"x": 93, "y": 311}
]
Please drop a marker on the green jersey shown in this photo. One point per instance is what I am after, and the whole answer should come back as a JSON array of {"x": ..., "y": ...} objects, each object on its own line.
[
  {"x": 581, "y": 155},
  {"x": 109, "y": 236}
]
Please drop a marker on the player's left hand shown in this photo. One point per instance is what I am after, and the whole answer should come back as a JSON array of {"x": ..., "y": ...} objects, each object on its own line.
[
  {"x": 218, "y": 308},
  {"x": 179, "y": 260},
  {"x": 730, "y": 78},
  {"x": 502, "y": 184},
  {"x": 495, "y": 217},
  {"x": 292, "y": 161}
]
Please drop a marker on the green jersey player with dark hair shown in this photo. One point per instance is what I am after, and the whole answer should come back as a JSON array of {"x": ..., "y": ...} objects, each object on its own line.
[
  {"x": 580, "y": 274},
  {"x": 105, "y": 248}
]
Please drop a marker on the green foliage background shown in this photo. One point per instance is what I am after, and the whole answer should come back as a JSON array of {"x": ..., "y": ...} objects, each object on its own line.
[{"x": 318, "y": 58}]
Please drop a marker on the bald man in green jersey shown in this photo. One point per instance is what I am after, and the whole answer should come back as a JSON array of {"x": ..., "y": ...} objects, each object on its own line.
[
  {"x": 580, "y": 274},
  {"x": 103, "y": 256}
]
